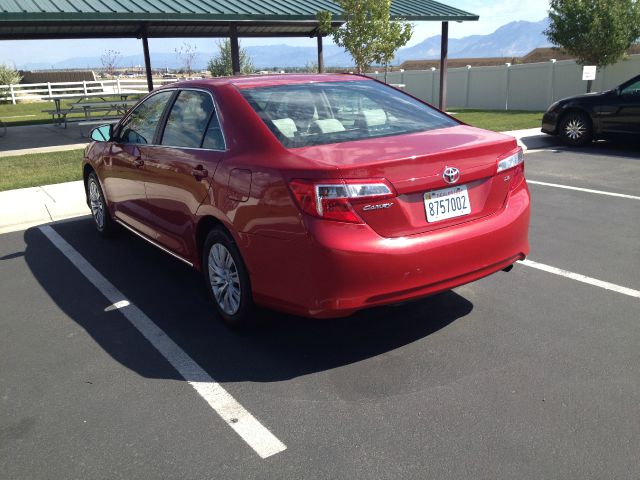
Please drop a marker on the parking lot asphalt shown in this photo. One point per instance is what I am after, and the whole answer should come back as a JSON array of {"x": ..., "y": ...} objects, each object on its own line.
[{"x": 521, "y": 375}]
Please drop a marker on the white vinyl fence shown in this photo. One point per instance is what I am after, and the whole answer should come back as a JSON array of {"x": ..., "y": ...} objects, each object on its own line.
[
  {"x": 532, "y": 86},
  {"x": 48, "y": 91}
]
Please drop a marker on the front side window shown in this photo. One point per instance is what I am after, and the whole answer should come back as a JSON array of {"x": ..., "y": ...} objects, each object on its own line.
[
  {"x": 140, "y": 126},
  {"x": 632, "y": 90},
  {"x": 332, "y": 112},
  {"x": 189, "y": 119}
]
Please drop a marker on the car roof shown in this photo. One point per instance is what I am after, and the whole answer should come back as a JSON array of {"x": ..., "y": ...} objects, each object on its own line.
[{"x": 269, "y": 80}]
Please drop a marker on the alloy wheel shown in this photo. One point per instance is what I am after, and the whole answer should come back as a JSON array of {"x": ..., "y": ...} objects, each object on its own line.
[
  {"x": 96, "y": 203},
  {"x": 224, "y": 279},
  {"x": 575, "y": 129}
]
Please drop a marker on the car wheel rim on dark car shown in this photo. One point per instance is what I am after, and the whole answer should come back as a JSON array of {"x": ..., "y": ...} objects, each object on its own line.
[
  {"x": 224, "y": 279},
  {"x": 575, "y": 129},
  {"x": 97, "y": 207}
]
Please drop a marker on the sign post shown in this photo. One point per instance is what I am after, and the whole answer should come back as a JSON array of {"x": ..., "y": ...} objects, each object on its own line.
[{"x": 589, "y": 74}]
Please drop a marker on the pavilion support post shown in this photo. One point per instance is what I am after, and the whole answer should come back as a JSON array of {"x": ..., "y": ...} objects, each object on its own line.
[
  {"x": 147, "y": 62},
  {"x": 320, "y": 55},
  {"x": 444, "y": 53},
  {"x": 235, "y": 49}
]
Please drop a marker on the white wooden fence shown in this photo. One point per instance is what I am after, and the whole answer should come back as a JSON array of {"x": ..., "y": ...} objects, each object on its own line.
[{"x": 49, "y": 90}]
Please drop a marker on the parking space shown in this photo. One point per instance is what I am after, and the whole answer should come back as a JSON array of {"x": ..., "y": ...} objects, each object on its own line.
[{"x": 524, "y": 374}]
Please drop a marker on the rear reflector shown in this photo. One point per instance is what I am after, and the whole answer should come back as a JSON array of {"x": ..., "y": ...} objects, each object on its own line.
[{"x": 331, "y": 200}]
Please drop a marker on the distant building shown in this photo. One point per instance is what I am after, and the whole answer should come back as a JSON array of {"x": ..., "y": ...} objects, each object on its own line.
[
  {"x": 536, "y": 55},
  {"x": 55, "y": 76}
]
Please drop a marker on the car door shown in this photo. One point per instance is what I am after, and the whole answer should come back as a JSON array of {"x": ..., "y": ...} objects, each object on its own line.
[
  {"x": 180, "y": 168},
  {"x": 621, "y": 112},
  {"x": 124, "y": 171}
]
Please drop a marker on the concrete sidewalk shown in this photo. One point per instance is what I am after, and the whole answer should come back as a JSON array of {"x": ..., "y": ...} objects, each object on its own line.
[
  {"x": 40, "y": 139},
  {"x": 27, "y": 207},
  {"x": 533, "y": 139}
]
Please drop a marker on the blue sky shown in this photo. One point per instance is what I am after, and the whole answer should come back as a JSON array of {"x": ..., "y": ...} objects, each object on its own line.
[{"x": 493, "y": 14}]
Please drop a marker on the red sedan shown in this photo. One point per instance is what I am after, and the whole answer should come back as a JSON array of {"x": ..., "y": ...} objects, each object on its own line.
[{"x": 317, "y": 195}]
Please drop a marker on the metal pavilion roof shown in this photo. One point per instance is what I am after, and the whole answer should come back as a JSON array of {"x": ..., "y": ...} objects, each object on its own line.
[{"x": 33, "y": 19}]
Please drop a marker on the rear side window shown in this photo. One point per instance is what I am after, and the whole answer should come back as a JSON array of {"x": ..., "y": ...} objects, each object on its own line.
[
  {"x": 140, "y": 126},
  {"x": 188, "y": 120},
  {"x": 332, "y": 112}
]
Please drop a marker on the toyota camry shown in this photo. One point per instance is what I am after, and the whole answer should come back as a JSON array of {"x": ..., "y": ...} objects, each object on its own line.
[{"x": 317, "y": 195}]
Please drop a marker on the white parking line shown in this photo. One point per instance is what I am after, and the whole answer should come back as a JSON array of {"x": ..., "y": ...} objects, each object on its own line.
[
  {"x": 582, "y": 278},
  {"x": 240, "y": 420},
  {"x": 588, "y": 190}
]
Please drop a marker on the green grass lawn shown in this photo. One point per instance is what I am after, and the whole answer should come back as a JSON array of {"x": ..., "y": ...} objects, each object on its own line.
[
  {"x": 30, "y": 113},
  {"x": 40, "y": 169},
  {"x": 499, "y": 120}
]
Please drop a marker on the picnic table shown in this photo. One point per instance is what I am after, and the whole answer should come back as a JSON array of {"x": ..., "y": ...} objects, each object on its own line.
[{"x": 107, "y": 110}]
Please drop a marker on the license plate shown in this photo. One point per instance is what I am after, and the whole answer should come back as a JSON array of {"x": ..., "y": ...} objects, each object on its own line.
[{"x": 447, "y": 203}]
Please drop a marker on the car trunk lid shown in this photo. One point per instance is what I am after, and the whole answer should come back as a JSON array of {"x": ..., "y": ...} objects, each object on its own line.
[{"x": 414, "y": 164}]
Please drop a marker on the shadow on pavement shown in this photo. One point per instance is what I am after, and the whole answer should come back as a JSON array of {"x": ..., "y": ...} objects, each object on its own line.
[
  {"x": 539, "y": 141},
  {"x": 624, "y": 147},
  {"x": 172, "y": 295}
]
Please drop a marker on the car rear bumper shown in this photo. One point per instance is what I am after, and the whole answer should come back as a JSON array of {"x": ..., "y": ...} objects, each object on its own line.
[{"x": 341, "y": 268}]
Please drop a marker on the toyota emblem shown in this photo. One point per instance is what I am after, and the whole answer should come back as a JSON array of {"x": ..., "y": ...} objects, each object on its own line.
[{"x": 451, "y": 175}]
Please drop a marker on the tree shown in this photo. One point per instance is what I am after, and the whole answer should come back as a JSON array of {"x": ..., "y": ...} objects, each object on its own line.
[
  {"x": 368, "y": 34},
  {"x": 187, "y": 53},
  {"x": 109, "y": 59},
  {"x": 8, "y": 76},
  {"x": 596, "y": 32},
  {"x": 310, "y": 67},
  {"x": 220, "y": 65}
]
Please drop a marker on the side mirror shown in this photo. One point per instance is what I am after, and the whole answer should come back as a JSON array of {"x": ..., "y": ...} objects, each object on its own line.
[{"x": 102, "y": 133}]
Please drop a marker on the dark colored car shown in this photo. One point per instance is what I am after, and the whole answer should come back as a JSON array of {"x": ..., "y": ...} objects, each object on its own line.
[
  {"x": 317, "y": 195},
  {"x": 579, "y": 120}
]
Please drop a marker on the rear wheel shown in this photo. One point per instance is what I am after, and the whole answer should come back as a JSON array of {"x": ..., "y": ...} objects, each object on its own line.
[
  {"x": 576, "y": 129},
  {"x": 226, "y": 279},
  {"x": 101, "y": 216}
]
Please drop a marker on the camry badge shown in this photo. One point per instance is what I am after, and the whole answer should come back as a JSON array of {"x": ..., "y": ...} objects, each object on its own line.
[
  {"x": 451, "y": 175},
  {"x": 379, "y": 206}
]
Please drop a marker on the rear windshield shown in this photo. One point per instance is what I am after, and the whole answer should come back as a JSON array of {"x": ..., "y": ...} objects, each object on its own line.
[{"x": 332, "y": 112}]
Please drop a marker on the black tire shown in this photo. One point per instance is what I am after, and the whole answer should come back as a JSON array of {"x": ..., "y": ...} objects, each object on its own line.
[
  {"x": 232, "y": 277},
  {"x": 576, "y": 129},
  {"x": 98, "y": 205}
]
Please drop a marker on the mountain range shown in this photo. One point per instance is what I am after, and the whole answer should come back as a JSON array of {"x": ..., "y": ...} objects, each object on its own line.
[{"x": 511, "y": 40}]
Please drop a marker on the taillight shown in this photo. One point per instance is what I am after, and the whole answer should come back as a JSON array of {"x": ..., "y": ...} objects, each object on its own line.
[
  {"x": 515, "y": 163},
  {"x": 332, "y": 200}
]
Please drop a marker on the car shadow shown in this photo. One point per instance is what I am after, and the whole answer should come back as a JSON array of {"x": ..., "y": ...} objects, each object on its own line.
[
  {"x": 623, "y": 148},
  {"x": 536, "y": 142},
  {"x": 172, "y": 295}
]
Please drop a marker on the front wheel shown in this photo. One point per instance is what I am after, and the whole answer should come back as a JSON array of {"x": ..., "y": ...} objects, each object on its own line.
[
  {"x": 226, "y": 280},
  {"x": 576, "y": 130},
  {"x": 99, "y": 211}
]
